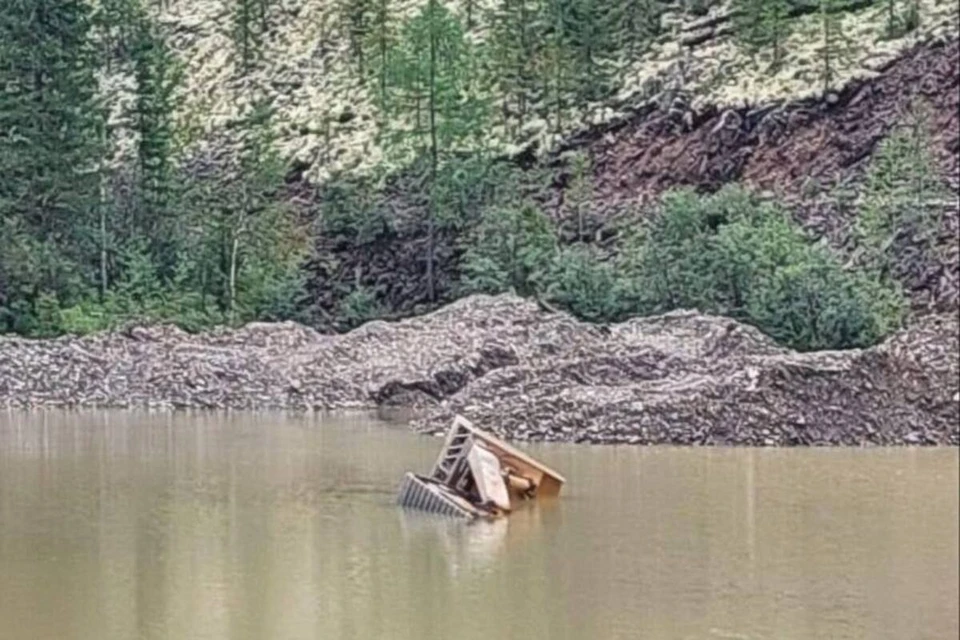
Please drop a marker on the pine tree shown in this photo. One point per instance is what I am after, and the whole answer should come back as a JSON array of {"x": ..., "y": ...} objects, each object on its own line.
[
  {"x": 437, "y": 111},
  {"x": 556, "y": 68},
  {"x": 264, "y": 247},
  {"x": 763, "y": 24},
  {"x": 158, "y": 75},
  {"x": 249, "y": 27},
  {"x": 638, "y": 22},
  {"x": 900, "y": 22},
  {"x": 587, "y": 26},
  {"x": 902, "y": 191},
  {"x": 51, "y": 123},
  {"x": 114, "y": 22},
  {"x": 835, "y": 47},
  {"x": 515, "y": 43},
  {"x": 356, "y": 15},
  {"x": 580, "y": 193},
  {"x": 382, "y": 39}
]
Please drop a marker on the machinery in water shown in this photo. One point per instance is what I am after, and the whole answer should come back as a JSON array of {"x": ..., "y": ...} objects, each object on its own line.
[{"x": 477, "y": 476}]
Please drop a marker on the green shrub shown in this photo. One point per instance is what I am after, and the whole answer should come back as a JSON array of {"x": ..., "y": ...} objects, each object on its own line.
[
  {"x": 735, "y": 255},
  {"x": 509, "y": 250},
  {"x": 903, "y": 192},
  {"x": 815, "y": 304},
  {"x": 359, "y": 306},
  {"x": 587, "y": 286},
  {"x": 353, "y": 208}
]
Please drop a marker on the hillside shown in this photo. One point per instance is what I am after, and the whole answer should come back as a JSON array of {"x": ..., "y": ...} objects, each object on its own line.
[
  {"x": 801, "y": 152},
  {"x": 327, "y": 118},
  {"x": 788, "y": 163}
]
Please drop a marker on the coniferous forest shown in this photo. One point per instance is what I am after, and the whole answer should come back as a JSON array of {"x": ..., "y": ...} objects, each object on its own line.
[{"x": 115, "y": 210}]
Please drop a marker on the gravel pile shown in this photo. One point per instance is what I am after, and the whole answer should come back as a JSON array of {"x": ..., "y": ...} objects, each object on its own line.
[
  {"x": 526, "y": 374},
  {"x": 686, "y": 378}
]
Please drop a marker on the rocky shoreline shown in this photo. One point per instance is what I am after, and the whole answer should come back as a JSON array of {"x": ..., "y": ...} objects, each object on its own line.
[{"x": 526, "y": 374}]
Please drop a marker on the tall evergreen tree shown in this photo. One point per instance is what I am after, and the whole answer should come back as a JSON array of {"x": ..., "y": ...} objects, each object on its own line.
[
  {"x": 555, "y": 67},
  {"x": 437, "y": 111},
  {"x": 382, "y": 37},
  {"x": 515, "y": 41},
  {"x": 835, "y": 47},
  {"x": 763, "y": 24},
  {"x": 594, "y": 50},
  {"x": 51, "y": 123},
  {"x": 638, "y": 22},
  {"x": 249, "y": 27},
  {"x": 158, "y": 76},
  {"x": 357, "y": 16}
]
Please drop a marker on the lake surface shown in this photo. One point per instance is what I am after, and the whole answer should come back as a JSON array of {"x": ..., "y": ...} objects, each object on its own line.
[{"x": 123, "y": 525}]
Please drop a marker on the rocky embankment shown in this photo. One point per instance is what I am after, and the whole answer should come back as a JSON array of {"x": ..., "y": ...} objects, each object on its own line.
[{"x": 527, "y": 374}]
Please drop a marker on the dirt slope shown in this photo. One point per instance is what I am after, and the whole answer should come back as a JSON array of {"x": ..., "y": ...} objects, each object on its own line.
[{"x": 799, "y": 151}]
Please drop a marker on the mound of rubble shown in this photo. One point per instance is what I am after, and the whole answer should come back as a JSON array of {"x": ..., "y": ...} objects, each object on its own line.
[
  {"x": 685, "y": 378},
  {"x": 525, "y": 374}
]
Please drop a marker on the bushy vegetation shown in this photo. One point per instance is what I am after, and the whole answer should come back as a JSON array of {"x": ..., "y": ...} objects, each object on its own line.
[
  {"x": 735, "y": 255},
  {"x": 95, "y": 236},
  {"x": 729, "y": 253},
  {"x": 91, "y": 242},
  {"x": 903, "y": 197},
  {"x": 511, "y": 250}
]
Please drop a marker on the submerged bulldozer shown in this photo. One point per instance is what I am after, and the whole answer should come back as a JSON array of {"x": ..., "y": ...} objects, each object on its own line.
[{"x": 477, "y": 476}]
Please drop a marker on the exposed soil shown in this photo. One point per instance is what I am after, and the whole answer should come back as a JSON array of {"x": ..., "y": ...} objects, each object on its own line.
[
  {"x": 526, "y": 374},
  {"x": 798, "y": 152}
]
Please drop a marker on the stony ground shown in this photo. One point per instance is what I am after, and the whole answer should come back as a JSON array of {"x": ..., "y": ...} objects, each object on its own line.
[{"x": 524, "y": 373}]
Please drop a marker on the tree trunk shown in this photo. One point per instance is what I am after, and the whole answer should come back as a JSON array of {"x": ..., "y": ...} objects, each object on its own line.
[
  {"x": 431, "y": 215},
  {"x": 231, "y": 313},
  {"x": 383, "y": 59},
  {"x": 103, "y": 249}
]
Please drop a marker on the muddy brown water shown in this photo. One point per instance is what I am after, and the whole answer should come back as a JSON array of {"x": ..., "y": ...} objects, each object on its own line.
[{"x": 123, "y": 525}]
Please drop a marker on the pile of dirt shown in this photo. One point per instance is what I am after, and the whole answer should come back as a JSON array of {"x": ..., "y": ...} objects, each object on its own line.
[
  {"x": 526, "y": 374},
  {"x": 411, "y": 362},
  {"x": 686, "y": 378}
]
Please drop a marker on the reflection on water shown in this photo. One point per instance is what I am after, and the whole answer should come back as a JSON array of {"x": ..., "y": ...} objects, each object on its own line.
[{"x": 260, "y": 526}]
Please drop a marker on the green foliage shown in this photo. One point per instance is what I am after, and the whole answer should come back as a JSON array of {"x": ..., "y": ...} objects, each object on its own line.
[
  {"x": 902, "y": 17},
  {"x": 587, "y": 29},
  {"x": 579, "y": 195},
  {"x": 158, "y": 76},
  {"x": 589, "y": 287},
  {"x": 697, "y": 7},
  {"x": 511, "y": 249},
  {"x": 250, "y": 236},
  {"x": 353, "y": 207},
  {"x": 763, "y": 25},
  {"x": 734, "y": 255},
  {"x": 356, "y": 16},
  {"x": 638, "y": 23},
  {"x": 902, "y": 193},
  {"x": 249, "y": 27},
  {"x": 815, "y": 304},
  {"x": 51, "y": 125},
  {"x": 359, "y": 306},
  {"x": 436, "y": 111},
  {"x": 835, "y": 46},
  {"x": 163, "y": 236},
  {"x": 514, "y": 44}
]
